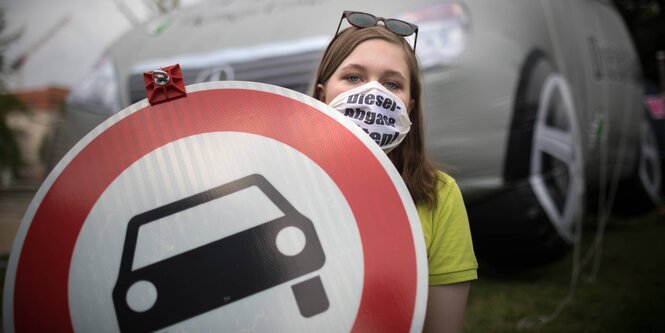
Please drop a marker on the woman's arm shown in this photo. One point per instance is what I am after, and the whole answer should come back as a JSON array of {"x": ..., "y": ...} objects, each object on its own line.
[{"x": 445, "y": 308}]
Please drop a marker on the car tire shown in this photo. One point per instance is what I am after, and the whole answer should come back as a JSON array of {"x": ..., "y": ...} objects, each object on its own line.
[
  {"x": 532, "y": 221},
  {"x": 642, "y": 191}
]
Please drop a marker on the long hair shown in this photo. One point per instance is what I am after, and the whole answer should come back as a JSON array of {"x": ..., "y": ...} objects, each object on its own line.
[{"x": 410, "y": 157}]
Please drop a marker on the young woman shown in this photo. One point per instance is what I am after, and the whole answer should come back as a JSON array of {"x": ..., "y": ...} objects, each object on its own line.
[{"x": 370, "y": 73}]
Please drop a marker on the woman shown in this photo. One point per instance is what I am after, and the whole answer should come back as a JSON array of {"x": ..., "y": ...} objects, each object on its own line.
[{"x": 370, "y": 73}]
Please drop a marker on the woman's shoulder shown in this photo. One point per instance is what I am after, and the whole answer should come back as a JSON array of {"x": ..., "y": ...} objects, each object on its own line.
[{"x": 444, "y": 180}]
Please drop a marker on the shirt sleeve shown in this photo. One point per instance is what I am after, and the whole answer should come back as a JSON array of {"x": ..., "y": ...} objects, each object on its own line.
[{"x": 451, "y": 258}]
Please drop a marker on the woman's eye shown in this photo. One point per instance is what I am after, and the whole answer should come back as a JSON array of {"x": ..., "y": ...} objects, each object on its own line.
[
  {"x": 353, "y": 78},
  {"x": 391, "y": 85}
]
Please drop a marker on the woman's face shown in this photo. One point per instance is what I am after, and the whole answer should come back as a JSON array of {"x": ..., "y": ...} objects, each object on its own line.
[{"x": 372, "y": 60}]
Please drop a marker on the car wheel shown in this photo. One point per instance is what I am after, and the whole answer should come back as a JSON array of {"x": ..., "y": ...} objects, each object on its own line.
[
  {"x": 642, "y": 191},
  {"x": 531, "y": 222},
  {"x": 557, "y": 170},
  {"x": 650, "y": 168}
]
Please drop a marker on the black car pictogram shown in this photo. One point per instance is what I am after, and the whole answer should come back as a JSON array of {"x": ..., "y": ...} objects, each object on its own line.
[{"x": 221, "y": 272}]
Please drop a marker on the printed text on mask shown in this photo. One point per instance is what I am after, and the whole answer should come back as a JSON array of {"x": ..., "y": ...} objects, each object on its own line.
[
  {"x": 371, "y": 118},
  {"x": 370, "y": 99}
]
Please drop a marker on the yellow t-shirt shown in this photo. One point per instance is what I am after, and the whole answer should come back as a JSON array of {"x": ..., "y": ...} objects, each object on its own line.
[{"x": 447, "y": 236}]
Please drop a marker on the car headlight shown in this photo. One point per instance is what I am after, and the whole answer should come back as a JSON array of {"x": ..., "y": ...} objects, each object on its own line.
[
  {"x": 98, "y": 91},
  {"x": 443, "y": 32}
]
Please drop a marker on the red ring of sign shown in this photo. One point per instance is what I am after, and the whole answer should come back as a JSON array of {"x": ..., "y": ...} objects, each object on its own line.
[{"x": 389, "y": 286}]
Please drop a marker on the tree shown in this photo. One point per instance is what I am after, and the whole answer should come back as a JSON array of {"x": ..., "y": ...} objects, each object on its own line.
[
  {"x": 646, "y": 21},
  {"x": 10, "y": 155}
]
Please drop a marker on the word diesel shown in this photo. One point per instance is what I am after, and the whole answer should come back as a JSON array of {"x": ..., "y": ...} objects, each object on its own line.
[{"x": 369, "y": 99}]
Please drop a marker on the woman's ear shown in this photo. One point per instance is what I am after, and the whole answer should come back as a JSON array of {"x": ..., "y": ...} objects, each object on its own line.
[
  {"x": 410, "y": 107},
  {"x": 320, "y": 92}
]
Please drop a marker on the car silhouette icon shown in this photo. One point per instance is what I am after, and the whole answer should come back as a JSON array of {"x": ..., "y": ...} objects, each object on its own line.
[{"x": 221, "y": 272}]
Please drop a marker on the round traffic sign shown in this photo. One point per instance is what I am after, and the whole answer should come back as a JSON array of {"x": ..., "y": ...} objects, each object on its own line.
[{"x": 242, "y": 205}]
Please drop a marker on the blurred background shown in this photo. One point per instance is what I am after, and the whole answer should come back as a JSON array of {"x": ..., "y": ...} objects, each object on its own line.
[
  {"x": 67, "y": 65},
  {"x": 45, "y": 49}
]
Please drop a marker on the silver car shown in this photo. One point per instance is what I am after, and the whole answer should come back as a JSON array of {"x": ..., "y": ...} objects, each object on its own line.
[{"x": 534, "y": 106}]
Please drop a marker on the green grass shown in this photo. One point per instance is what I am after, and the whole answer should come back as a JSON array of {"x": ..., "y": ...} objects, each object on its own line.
[{"x": 628, "y": 294}]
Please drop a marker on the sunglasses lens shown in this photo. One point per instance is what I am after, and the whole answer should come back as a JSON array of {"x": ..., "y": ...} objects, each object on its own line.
[
  {"x": 361, "y": 20},
  {"x": 399, "y": 27}
]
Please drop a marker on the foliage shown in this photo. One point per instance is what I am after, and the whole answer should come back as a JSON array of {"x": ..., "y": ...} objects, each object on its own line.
[
  {"x": 5, "y": 41},
  {"x": 646, "y": 21},
  {"x": 10, "y": 156}
]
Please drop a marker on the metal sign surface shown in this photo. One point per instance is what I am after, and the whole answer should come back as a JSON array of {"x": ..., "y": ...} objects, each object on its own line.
[{"x": 244, "y": 206}]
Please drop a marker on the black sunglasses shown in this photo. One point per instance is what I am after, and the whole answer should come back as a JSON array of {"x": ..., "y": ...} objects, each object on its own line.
[{"x": 365, "y": 20}]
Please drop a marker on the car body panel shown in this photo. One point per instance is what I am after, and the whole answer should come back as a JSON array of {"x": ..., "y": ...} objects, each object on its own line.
[{"x": 470, "y": 110}]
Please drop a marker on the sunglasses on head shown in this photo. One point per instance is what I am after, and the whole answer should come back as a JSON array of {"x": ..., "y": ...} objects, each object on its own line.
[{"x": 365, "y": 20}]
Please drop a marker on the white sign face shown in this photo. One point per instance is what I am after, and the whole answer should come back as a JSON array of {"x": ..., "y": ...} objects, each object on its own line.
[
  {"x": 242, "y": 207},
  {"x": 198, "y": 159}
]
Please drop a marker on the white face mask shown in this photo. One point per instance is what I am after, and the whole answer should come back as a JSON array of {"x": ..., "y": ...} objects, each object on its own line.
[{"x": 377, "y": 111}]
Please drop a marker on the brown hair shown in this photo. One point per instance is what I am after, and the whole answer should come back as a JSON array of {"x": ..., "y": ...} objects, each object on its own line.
[{"x": 410, "y": 157}]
